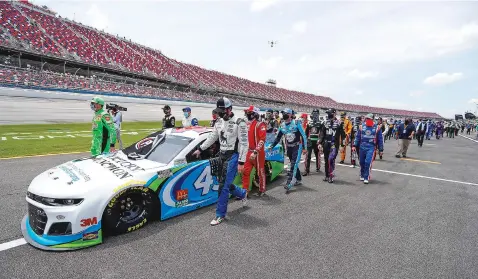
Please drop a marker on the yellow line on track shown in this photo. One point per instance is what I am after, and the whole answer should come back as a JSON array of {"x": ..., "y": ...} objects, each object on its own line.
[
  {"x": 421, "y": 161},
  {"x": 42, "y": 155}
]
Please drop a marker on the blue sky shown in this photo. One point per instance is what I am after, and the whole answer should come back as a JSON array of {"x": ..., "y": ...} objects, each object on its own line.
[{"x": 406, "y": 55}]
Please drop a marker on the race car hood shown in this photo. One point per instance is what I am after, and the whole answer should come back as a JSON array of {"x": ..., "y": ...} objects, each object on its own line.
[{"x": 76, "y": 178}]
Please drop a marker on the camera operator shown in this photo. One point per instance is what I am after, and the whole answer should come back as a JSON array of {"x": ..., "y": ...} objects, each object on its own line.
[{"x": 117, "y": 119}]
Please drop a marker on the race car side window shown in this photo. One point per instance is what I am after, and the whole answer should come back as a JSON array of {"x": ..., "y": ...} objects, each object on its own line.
[{"x": 205, "y": 155}]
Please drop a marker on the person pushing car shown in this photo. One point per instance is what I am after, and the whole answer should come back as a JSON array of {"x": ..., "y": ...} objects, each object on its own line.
[{"x": 104, "y": 131}]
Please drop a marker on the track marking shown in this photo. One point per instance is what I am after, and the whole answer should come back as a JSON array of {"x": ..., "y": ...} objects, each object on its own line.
[
  {"x": 421, "y": 161},
  {"x": 12, "y": 244},
  {"x": 468, "y": 138},
  {"x": 43, "y": 155}
]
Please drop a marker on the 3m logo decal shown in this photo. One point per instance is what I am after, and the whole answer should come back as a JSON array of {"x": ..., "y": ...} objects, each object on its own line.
[
  {"x": 181, "y": 194},
  {"x": 88, "y": 222}
]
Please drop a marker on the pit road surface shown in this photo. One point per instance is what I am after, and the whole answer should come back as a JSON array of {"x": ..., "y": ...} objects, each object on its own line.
[{"x": 399, "y": 226}]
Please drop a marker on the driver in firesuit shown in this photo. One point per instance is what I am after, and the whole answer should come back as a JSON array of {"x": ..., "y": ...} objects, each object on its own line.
[
  {"x": 312, "y": 132},
  {"x": 169, "y": 121},
  {"x": 367, "y": 139},
  {"x": 256, "y": 156},
  {"x": 104, "y": 132},
  {"x": 333, "y": 136},
  {"x": 232, "y": 135},
  {"x": 188, "y": 119},
  {"x": 293, "y": 135},
  {"x": 347, "y": 126}
]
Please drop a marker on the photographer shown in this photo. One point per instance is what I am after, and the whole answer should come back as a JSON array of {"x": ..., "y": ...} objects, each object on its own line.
[{"x": 117, "y": 119}]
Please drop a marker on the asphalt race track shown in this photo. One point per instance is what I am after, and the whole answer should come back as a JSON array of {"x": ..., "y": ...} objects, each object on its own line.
[
  {"x": 417, "y": 219},
  {"x": 20, "y": 106}
]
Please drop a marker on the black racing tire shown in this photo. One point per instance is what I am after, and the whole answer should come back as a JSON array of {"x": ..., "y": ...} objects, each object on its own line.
[{"x": 130, "y": 210}]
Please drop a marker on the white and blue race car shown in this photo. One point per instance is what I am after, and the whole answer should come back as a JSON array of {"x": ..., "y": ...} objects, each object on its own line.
[{"x": 72, "y": 205}]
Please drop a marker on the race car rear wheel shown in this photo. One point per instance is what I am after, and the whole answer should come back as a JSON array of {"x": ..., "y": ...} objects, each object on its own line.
[{"x": 130, "y": 210}]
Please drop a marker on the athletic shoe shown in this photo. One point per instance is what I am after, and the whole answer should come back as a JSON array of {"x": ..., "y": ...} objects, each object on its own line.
[
  {"x": 217, "y": 221},
  {"x": 341, "y": 162},
  {"x": 298, "y": 183},
  {"x": 365, "y": 181},
  {"x": 260, "y": 194},
  {"x": 331, "y": 180},
  {"x": 244, "y": 201},
  {"x": 305, "y": 173},
  {"x": 362, "y": 179},
  {"x": 326, "y": 178},
  {"x": 317, "y": 170}
]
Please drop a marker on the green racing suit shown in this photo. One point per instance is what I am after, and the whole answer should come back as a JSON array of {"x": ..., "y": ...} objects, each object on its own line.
[{"x": 104, "y": 133}]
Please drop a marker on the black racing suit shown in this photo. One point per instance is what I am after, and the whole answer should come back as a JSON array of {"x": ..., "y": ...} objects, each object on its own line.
[
  {"x": 169, "y": 121},
  {"x": 355, "y": 129},
  {"x": 333, "y": 136},
  {"x": 312, "y": 131}
]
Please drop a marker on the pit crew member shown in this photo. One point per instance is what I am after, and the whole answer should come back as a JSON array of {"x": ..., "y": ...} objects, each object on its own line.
[
  {"x": 368, "y": 138},
  {"x": 347, "y": 126},
  {"x": 312, "y": 132},
  {"x": 188, "y": 119},
  {"x": 104, "y": 132},
  {"x": 169, "y": 121},
  {"x": 333, "y": 136},
  {"x": 232, "y": 135},
  {"x": 256, "y": 155},
  {"x": 293, "y": 135}
]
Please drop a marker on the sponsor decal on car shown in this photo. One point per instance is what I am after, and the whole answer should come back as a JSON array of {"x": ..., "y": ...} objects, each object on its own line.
[
  {"x": 129, "y": 183},
  {"x": 89, "y": 222},
  {"x": 144, "y": 142},
  {"x": 180, "y": 162},
  {"x": 181, "y": 194},
  {"x": 125, "y": 164},
  {"x": 165, "y": 173},
  {"x": 85, "y": 177},
  {"x": 90, "y": 236},
  {"x": 70, "y": 173}
]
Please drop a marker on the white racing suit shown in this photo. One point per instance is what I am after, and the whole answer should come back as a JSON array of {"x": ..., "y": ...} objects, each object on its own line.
[{"x": 232, "y": 135}]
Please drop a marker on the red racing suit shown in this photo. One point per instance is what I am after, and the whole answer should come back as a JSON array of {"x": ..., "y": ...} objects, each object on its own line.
[{"x": 256, "y": 138}]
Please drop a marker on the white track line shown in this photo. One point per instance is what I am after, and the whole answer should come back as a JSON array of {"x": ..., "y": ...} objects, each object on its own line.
[
  {"x": 468, "y": 138},
  {"x": 12, "y": 244}
]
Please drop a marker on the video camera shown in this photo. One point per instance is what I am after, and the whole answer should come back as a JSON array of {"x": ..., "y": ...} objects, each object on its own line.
[{"x": 115, "y": 107}]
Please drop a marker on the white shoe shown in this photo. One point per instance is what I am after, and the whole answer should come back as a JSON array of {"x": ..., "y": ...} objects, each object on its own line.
[
  {"x": 362, "y": 179},
  {"x": 217, "y": 221},
  {"x": 244, "y": 201},
  {"x": 365, "y": 181}
]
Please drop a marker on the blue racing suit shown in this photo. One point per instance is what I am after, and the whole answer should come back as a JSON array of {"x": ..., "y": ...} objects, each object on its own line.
[
  {"x": 367, "y": 140},
  {"x": 295, "y": 141},
  {"x": 430, "y": 127}
]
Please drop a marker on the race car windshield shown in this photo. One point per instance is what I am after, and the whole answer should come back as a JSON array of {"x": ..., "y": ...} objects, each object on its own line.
[{"x": 168, "y": 149}]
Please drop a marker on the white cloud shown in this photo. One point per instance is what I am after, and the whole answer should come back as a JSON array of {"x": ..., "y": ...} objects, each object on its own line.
[
  {"x": 362, "y": 75},
  {"x": 300, "y": 27},
  {"x": 97, "y": 18},
  {"x": 417, "y": 93},
  {"x": 259, "y": 5},
  {"x": 359, "y": 92},
  {"x": 473, "y": 101},
  {"x": 443, "y": 78}
]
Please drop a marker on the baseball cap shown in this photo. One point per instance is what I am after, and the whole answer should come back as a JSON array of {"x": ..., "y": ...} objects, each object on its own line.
[
  {"x": 98, "y": 100},
  {"x": 369, "y": 116},
  {"x": 166, "y": 107},
  {"x": 287, "y": 111},
  {"x": 188, "y": 109},
  {"x": 222, "y": 104},
  {"x": 252, "y": 109}
]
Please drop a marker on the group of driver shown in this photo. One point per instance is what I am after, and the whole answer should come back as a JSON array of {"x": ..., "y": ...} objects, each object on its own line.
[{"x": 243, "y": 143}]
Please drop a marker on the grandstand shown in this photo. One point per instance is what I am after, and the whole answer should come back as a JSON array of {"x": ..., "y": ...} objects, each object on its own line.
[{"x": 63, "y": 53}]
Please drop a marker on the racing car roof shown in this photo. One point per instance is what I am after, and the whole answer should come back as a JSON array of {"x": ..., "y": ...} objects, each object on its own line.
[{"x": 191, "y": 132}]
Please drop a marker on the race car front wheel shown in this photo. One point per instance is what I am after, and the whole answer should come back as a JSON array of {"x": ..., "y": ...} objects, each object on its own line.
[{"x": 130, "y": 210}]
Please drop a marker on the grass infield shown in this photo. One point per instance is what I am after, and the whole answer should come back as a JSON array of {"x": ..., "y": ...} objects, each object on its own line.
[{"x": 41, "y": 139}]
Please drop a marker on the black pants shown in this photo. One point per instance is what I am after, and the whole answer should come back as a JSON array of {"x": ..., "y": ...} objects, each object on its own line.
[
  {"x": 420, "y": 138},
  {"x": 312, "y": 146},
  {"x": 293, "y": 153},
  {"x": 330, "y": 153},
  {"x": 468, "y": 131}
]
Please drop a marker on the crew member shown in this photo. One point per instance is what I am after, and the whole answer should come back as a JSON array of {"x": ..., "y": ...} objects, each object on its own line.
[
  {"x": 169, "y": 121},
  {"x": 368, "y": 138},
  {"x": 188, "y": 119},
  {"x": 214, "y": 118},
  {"x": 256, "y": 155},
  {"x": 104, "y": 132},
  {"x": 333, "y": 136},
  {"x": 117, "y": 119},
  {"x": 347, "y": 126},
  {"x": 312, "y": 132},
  {"x": 293, "y": 135},
  {"x": 232, "y": 135},
  {"x": 355, "y": 130},
  {"x": 421, "y": 130}
]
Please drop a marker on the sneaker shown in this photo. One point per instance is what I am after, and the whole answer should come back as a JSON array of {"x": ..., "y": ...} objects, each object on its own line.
[
  {"x": 326, "y": 178},
  {"x": 298, "y": 183},
  {"x": 217, "y": 221},
  {"x": 260, "y": 194},
  {"x": 398, "y": 156},
  {"x": 244, "y": 201},
  {"x": 305, "y": 173},
  {"x": 331, "y": 180},
  {"x": 362, "y": 179},
  {"x": 381, "y": 157},
  {"x": 317, "y": 170},
  {"x": 404, "y": 156},
  {"x": 341, "y": 162},
  {"x": 365, "y": 181}
]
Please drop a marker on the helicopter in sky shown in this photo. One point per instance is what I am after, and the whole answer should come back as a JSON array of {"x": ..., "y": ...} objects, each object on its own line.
[{"x": 272, "y": 43}]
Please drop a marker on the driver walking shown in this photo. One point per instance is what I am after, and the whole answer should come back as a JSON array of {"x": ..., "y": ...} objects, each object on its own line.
[{"x": 232, "y": 135}]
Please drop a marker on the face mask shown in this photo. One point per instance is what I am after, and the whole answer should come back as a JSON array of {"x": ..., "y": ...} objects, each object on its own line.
[
  {"x": 186, "y": 114},
  {"x": 285, "y": 117},
  {"x": 214, "y": 116},
  {"x": 92, "y": 106},
  {"x": 250, "y": 116},
  {"x": 330, "y": 115},
  {"x": 369, "y": 122},
  {"x": 166, "y": 112}
]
